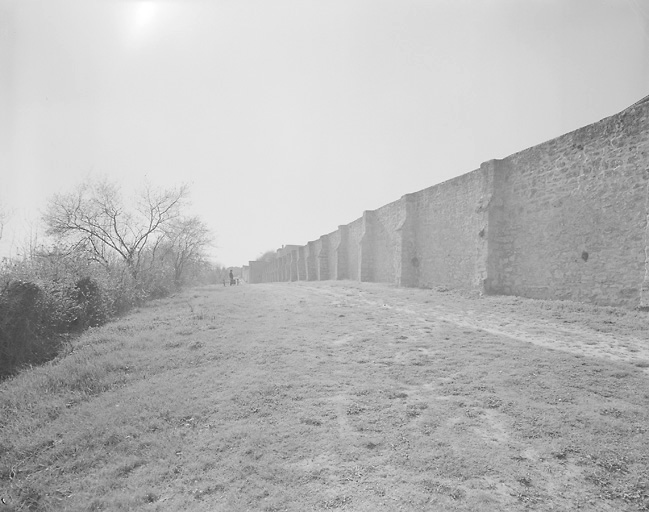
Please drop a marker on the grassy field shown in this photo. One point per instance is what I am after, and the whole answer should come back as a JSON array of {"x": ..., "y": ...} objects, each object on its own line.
[{"x": 336, "y": 396}]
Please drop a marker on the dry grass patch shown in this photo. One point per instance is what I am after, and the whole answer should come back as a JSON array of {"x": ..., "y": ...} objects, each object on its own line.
[{"x": 327, "y": 396}]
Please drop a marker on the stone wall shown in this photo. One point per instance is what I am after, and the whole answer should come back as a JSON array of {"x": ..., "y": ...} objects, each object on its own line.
[
  {"x": 354, "y": 235},
  {"x": 566, "y": 219},
  {"x": 382, "y": 225},
  {"x": 570, "y": 217},
  {"x": 451, "y": 224}
]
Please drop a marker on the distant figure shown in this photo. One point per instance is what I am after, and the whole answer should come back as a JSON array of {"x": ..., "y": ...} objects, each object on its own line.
[
  {"x": 237, "y": 281},
  {"x": 231, "y": 278}
]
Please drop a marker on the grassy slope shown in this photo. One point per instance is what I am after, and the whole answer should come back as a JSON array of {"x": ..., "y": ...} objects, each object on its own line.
[{"x": 332, "y": 396}]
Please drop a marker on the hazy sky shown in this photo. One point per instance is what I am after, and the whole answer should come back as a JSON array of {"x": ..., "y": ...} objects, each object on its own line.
[{"x": 289, "y": 118}]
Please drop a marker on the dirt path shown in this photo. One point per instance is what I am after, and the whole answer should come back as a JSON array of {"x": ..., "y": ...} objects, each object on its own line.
[
  {"x": 340, "y": 396},
  {"x": 502, "y": 316}
]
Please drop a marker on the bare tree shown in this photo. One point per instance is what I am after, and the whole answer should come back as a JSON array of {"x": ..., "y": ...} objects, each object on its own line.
[
  {"x": 95, "y": 218},
  {"x": 186, "y": 239}
]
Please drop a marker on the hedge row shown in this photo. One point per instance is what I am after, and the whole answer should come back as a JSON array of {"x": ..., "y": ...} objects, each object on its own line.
[
  {"x": 45, "y": 299},
  {"x": 36, "y": 317}
]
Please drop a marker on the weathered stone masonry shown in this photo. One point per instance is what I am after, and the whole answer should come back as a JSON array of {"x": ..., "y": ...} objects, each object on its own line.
[{"x": 567, "y": 219}]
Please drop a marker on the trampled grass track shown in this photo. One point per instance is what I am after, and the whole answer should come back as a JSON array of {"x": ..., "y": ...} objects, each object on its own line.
[{"x": 336, "y": 396}]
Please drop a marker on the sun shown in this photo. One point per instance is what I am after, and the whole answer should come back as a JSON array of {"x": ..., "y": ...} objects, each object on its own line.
[
  {"x": 144, "y": 14},
  {"x": 141, "y": 20}
]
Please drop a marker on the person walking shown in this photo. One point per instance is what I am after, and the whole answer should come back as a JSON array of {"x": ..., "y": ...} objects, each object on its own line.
[{"x": 231, "y": 278}]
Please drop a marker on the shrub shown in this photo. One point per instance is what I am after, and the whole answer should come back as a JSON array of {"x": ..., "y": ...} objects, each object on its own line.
[
  {"x": 29, "y": 320},
  {"x": 156, "y": 283},
  {"x": 54, "y": 293},
  {"x": 93, "y": 303},
  {"x": 123, "y": 294}
]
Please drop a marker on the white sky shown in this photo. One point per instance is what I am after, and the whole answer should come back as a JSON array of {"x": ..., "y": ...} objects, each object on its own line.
[{"x": 289, "y": 118}]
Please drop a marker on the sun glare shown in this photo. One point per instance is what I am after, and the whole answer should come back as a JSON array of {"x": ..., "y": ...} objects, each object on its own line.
[{"x": 142, "y": 16}]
